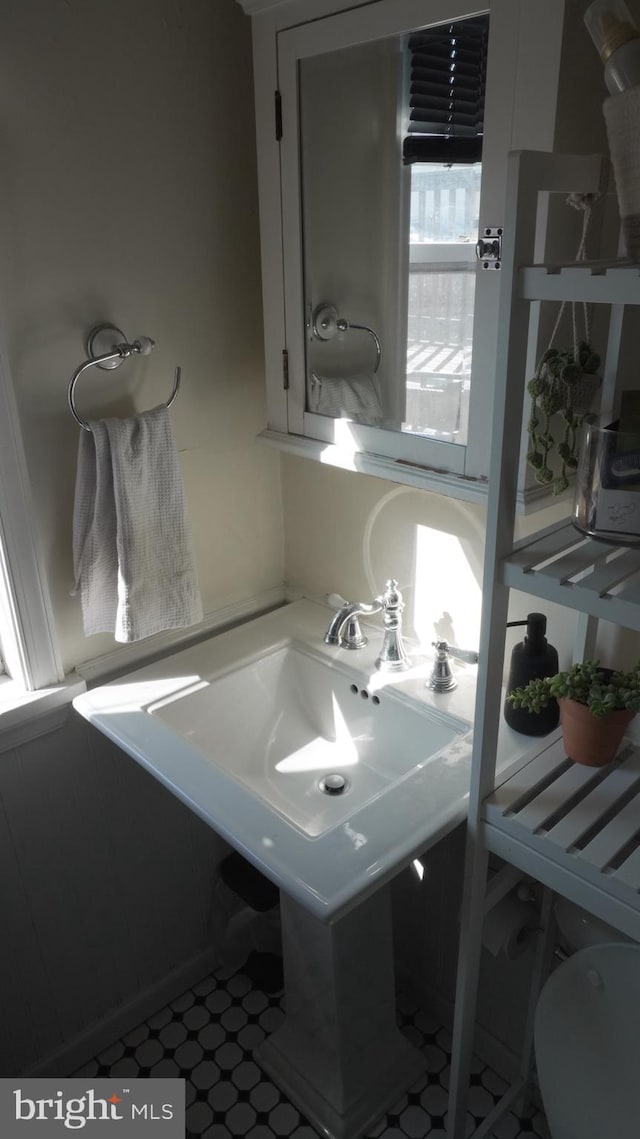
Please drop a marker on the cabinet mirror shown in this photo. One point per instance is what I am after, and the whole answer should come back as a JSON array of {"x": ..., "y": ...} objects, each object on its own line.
[
  {"x": 397, "y": 120},
  {"x": 390, "y": 227}
]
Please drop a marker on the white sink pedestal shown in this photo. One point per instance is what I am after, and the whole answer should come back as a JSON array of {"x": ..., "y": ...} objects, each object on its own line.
[{"x": 339, "y": 1056}]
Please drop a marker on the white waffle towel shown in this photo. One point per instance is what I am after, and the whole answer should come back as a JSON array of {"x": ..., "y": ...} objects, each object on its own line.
[
  {"x": 133, "y": 560},
  {"x": 622, "y": 118},
  {"x": 355, "y": 397}
]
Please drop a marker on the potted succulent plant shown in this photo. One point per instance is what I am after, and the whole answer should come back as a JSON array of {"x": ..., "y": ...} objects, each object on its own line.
[{"x": 596, "y": 706}]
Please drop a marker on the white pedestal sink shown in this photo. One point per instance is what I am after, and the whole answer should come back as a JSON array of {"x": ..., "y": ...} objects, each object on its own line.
[
  {"x": 245, "y": 728},
  {"x": 339, "y": 1055}
]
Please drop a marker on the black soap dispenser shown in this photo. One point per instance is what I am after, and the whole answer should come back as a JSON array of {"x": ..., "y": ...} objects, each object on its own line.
[{"x": 531, "y": 659}]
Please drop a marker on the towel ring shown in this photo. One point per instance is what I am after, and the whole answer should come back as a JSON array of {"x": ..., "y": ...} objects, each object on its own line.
[
  {"x": 108, "y": 347},
  {"x": 326, "y": 324}
]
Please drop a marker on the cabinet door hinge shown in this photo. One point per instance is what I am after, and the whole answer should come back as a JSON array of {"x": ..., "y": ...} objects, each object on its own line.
[
  {"x": 285, "y": 369},
  {"x": 278, "y": 109}
]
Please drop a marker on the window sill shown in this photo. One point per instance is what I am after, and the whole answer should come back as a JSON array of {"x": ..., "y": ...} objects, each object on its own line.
[{"x": 26, "y": 715}]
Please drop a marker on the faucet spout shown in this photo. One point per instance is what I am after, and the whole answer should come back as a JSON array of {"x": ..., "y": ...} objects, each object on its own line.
[{"x": 345, "y": 629}]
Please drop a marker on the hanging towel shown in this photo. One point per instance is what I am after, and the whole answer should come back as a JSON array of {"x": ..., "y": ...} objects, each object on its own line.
[
  {"x": 622, "y": 120},
  {"x": 355, "y": 397},
  {"x": 133, "y": 561}
]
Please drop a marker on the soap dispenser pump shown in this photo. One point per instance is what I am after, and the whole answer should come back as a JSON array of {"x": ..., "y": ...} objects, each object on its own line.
[{"x": 533, "y": 658}]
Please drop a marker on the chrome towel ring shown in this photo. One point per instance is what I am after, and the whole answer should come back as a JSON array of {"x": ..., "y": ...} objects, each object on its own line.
[
  {"x": 107, "y": 347},
  {"x": 325, "y": 324}
]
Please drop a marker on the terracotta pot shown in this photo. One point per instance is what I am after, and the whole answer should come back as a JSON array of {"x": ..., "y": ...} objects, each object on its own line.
[{"x": 589, "y": 739}]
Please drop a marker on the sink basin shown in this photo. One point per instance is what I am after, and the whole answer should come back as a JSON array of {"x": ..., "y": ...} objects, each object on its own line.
[
  {"x": 300, "y": 734},
  {"x": 247, "y": 726}
]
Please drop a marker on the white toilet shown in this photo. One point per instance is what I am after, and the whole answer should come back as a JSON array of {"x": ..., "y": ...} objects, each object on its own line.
[{"x": 587, "y": 1036}]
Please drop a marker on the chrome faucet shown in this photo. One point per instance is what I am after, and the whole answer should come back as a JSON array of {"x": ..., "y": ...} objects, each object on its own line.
[
  {"x": 442, "y": 679},
  {"x": 393, "y": 657},
  {"x": 344, "y": 629}
]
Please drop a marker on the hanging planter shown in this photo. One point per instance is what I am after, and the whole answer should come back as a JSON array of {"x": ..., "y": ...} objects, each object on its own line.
[{"x": 565, "y": 383}]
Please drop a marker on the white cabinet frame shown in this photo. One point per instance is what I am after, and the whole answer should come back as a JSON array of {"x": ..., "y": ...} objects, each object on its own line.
[{"x": 284, "y": 33}]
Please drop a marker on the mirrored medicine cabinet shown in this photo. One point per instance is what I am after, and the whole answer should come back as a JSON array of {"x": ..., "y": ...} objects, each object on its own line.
[{"x": 383, "y": 131}]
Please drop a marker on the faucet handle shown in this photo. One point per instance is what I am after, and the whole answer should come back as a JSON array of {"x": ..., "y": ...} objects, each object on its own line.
[
  {"x": 336, "y": 600},
  {"x": 468, "y": 655},
  {"x": 391, "y": 600},
  {"x": 442, "y": 679}
]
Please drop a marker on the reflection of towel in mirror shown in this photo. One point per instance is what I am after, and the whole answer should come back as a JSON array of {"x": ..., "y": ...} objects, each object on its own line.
[
  {"x": 133, "y": 561},
  {"x": 355, "y": 397},
  {"x": 622, "y": 119}
]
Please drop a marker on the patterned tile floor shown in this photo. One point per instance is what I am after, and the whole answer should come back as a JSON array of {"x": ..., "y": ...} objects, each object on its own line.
[{"x": 207, "y": 1037}]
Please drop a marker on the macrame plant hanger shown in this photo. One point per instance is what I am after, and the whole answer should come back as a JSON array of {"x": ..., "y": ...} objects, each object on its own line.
[{"x": 565, "y": 381}]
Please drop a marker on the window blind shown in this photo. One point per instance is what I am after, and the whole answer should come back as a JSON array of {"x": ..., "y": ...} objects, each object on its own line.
[{"x": 446, "y": 92}]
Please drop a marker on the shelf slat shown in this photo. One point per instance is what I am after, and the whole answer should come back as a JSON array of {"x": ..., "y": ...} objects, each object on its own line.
[
  {"x": 600, "y": 282},
  {"x": 537, "y": 815},
  {"x": 568, "y": 569},
  {"x": 630, "y": 593},
  {"x": 575, "y": 561},
  {"x": 520, "y": 786},
  {"x": 536, "y": 550},
  {"x": 629, "y": 873},
  {"x": 607, "y": 576},
  {"x": 593, "y": 816}
]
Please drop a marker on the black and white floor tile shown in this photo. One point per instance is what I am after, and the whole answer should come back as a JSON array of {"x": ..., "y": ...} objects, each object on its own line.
[{"x": 207, "y": 1037}]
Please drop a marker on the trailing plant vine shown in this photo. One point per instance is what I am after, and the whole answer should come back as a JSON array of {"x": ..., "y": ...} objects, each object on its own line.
[
  {"x": 565, "y": 382},
  {"x": 603, "y": 690}
]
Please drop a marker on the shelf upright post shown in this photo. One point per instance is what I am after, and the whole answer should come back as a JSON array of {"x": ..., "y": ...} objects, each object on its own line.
[{"x": 529, "y": 173}]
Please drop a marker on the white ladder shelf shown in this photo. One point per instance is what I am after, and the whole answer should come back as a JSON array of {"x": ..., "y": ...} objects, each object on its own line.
[{"x": 575, "y": 831}]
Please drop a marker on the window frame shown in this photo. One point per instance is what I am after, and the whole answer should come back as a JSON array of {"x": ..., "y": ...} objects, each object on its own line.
[{"x": 27, "y": 630}]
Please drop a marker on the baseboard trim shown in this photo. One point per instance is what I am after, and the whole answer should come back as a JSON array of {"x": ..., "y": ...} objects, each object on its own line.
[{"x": 88, "y": 1043}]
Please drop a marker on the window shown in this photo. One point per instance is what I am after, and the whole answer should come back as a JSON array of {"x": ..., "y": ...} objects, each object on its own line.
[
  {"x": 26, "y": 625},
  {"x": 442, "y": 276},
  {"x": 443, "y": 148}
]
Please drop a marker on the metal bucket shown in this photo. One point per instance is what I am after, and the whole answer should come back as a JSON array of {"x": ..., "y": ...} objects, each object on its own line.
[{"x": 607, "y": 494}]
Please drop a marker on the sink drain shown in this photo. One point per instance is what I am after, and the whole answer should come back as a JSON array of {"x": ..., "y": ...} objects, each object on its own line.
[{"x": 333, "y": 784}]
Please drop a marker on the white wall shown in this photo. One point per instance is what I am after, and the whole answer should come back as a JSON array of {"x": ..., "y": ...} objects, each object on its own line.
[
  {"x": 348, "y": 533},
  {"x": 128, "y": 193},
  {"x": 106, "y": 888}
]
